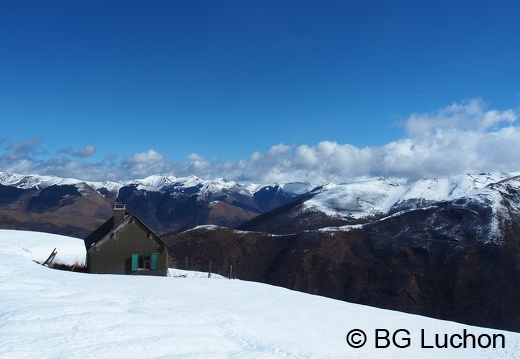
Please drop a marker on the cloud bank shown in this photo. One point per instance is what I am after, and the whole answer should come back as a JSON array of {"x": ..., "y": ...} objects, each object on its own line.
[{"x": 462, "y": 138}]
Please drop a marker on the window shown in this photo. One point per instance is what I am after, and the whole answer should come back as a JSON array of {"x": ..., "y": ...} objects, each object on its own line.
[{"x": 148, "y": 261}]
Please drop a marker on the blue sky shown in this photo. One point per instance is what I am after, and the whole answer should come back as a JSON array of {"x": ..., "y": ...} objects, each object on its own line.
[{"x": 245, "y": 89}]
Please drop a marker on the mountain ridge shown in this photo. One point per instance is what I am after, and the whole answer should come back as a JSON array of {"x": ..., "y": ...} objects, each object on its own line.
[
  {"x": 166, "y": 203},
  {"x": 170, "y": 203}
]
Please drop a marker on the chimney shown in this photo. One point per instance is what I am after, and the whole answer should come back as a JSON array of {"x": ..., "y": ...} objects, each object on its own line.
[{"x": 119, "y": 211}]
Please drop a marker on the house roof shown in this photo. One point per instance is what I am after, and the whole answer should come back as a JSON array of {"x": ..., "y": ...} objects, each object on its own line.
[
  {"x": 108, "y": 227},
  {"x": 100, "y": 233}
]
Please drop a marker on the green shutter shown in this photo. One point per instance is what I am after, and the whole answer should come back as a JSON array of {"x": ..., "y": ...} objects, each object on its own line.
[
  {"x": 135, "y": 262},
  {"x": 154, "y": 260}
]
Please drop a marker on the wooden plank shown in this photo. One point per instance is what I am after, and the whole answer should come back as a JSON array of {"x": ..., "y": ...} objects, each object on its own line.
[{"x": 49, "y": 260}]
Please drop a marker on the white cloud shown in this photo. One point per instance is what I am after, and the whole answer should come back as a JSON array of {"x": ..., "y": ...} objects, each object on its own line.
[
  {"x": 463, "y": 137},
  {"x": 86, "y": 151},
  {"x": 467, "y": 116},
  {"x": 145, "y": 164},
  {"x": 195, "y": 157}
]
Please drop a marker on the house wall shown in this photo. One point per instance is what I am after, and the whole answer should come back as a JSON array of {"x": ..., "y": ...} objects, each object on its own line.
[{"x": 113, "y": 254}]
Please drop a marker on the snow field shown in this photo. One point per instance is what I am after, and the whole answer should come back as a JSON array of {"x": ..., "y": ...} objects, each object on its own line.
[{"x": 48, "y": 313}]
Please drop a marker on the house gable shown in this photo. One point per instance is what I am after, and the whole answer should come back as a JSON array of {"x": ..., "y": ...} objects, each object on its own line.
[{"x": 115, "y": 249}]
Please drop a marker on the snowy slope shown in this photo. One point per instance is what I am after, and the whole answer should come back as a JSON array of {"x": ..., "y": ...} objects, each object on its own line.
[
  {"x": 47, "y": 313},
  {"x": 30, "y": 181},
  {"x": 38, "y": 246},
  {"x": 380, "y": 196}
]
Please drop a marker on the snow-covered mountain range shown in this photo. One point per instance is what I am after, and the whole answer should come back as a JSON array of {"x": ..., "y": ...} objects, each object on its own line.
[
  {"x": 342, "y": 206},
  {"x": 190, "y": 185},
  {"x": 353, "y": 201},
  {"x": 166, "y": 203}
]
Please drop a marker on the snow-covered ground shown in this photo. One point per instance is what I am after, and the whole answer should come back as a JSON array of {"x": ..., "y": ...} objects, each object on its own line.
[{"x": 48, "y": 313}]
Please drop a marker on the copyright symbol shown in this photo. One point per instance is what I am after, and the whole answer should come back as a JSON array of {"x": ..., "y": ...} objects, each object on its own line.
[{"x": 356, "y": 338}]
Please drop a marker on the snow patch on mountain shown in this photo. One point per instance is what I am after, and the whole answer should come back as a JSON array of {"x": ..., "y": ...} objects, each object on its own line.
[
  {"x": 34, "y": 181},
  {"x": 378, "y": 197},
  {"x": 358, "y": 199}
]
